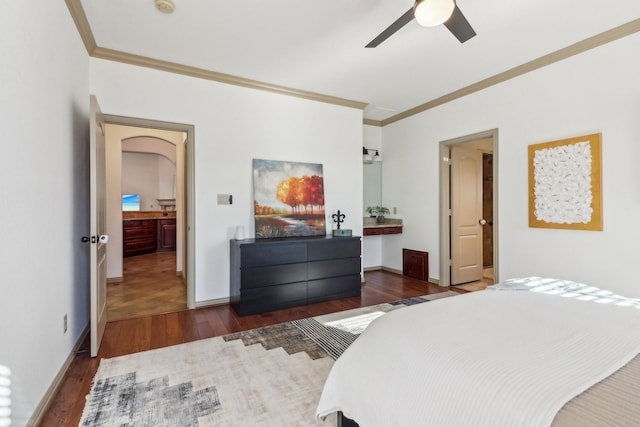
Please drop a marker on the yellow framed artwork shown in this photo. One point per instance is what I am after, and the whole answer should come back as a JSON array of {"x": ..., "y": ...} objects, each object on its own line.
[{"x": 565, "y": 183}]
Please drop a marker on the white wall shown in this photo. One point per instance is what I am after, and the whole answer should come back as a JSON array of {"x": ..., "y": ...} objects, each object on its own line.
[
  {"x": 150, "y": 175},
  {"x": 44, "y": 195},
  {"x": 597, "y": 91},
  {"x": 233, "y": 125}
]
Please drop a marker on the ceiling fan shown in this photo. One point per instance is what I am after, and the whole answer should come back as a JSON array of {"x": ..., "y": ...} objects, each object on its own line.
[{"x": 429, "y": 13}]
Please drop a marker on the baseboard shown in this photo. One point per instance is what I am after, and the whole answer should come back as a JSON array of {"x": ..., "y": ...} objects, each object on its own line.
[
  {"x": 392, "y": 270},
  {"x": 114, "y": 280},
  {"x": 210, "y": 302},
  {"x": 46, "y": 400}
]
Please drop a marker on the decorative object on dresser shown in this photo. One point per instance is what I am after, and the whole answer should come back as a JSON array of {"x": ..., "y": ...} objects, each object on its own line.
[
  {"x": 268, "y": 274},
  {"x": 288, "y": 199},
  {"x": 338, "y": 218}
]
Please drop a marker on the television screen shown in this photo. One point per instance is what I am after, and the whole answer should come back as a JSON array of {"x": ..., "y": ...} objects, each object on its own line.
[{"x": 130, "y": 202}]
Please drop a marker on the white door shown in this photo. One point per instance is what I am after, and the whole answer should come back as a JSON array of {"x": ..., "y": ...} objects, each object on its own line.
[
  {"x": 98, "y": 223},
  {"x": 466, "y": 215}
]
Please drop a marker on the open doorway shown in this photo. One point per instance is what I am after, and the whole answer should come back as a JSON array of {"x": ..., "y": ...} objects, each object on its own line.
[
  {"x": 468, "y": 214},
  {"x": 149, "y": 212}
]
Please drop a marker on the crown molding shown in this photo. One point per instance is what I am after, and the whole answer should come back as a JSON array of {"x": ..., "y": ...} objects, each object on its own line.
[
  {"x": 172, "y": 67},
  {"x": 82, "y": 24},
  {"x": 603, "y": 38},
  {"x": 372, "y": 122}
]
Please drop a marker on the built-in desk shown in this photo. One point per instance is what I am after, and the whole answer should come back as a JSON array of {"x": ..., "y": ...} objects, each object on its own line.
[{"x": 370, "y": 227}]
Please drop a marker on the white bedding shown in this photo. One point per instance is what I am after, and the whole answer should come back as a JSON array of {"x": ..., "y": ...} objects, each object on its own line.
[{"x": 480, "y": 359}]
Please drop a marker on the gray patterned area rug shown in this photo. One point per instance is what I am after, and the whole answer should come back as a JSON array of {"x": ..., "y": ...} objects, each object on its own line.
[{"x": 271, "y": 376}]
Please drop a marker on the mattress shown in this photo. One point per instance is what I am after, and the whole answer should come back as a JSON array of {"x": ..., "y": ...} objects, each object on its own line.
[{"x": 491, "y": 359}]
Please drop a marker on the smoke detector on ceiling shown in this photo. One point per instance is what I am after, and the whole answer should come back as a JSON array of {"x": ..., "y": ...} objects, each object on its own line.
[{"x": 165, "y": 6}]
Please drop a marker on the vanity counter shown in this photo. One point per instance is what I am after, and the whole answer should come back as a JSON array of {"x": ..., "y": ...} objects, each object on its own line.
[{"x": 373, "y": 228}]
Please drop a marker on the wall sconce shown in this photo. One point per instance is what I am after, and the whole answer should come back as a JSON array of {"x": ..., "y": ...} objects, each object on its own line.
[{"x": 367, "y": 158}]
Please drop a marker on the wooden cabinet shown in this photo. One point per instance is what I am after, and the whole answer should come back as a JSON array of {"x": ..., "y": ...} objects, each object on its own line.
[
  {"x": 139, "y": 236},
  {"x": 166, "y": 235},
  {"x": 376, "y": 231},
  {"x": 415, "y": 264},
  {"x": 268, "y": 274},
  {"x": 143, "y": 236}
]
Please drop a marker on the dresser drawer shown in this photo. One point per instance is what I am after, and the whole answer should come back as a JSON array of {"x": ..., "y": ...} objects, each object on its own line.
[
  {"x": 333, "y": 268},
  {"x": 272, "y": 298},
  {"x": 339, "y": 247},
  {"x": 336, "y": 287},
  {"x": 255, "y": 277},
  {"x": 268, "y": 254}
]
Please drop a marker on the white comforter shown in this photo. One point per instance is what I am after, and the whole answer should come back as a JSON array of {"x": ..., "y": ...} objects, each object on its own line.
[{"x": 480, "y": 359}]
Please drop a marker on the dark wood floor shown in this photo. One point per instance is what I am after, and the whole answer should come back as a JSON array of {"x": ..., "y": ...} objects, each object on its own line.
[{"x": 156, "y": 331}]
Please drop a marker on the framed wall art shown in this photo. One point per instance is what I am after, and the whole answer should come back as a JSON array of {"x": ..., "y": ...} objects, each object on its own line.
[
  {"x": 288, "y": 199},
  {"x": 565, "y": 183}
]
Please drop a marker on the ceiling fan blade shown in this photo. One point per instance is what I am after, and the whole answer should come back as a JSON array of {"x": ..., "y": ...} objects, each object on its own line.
[
  {"x": 391, "y": 29},
  {"x": 459, "y": 26}
]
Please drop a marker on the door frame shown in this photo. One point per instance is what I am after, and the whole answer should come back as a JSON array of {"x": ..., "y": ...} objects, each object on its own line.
[
  {"x": 445, "y": 202},
  {"x": 189, "y": 216}
]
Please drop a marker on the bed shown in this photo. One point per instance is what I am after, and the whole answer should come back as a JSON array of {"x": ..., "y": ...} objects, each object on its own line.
[{"x": 526, "y": 352}]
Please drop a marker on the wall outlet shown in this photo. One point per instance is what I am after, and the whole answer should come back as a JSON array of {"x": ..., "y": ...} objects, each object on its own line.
[{"x": 64, "y": 324}]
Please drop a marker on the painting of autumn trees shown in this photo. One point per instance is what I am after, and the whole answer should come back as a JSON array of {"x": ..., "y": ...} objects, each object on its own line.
[{"x": 288, "y": 199}]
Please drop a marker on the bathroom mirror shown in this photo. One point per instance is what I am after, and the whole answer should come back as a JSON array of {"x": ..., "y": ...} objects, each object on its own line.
[{"x": 372, "y": 183}]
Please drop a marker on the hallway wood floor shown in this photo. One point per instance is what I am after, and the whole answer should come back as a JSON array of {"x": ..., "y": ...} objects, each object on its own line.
[
  {"x": 150, "y": 286},
  {"x": 162, "y": 330}
]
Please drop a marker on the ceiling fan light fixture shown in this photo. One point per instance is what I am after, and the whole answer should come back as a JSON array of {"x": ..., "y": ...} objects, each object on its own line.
[{"x": 430, "y": 13}]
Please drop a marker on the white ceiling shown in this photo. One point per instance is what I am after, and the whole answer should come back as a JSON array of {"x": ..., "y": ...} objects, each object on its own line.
[{"x": 318, "y": 46}]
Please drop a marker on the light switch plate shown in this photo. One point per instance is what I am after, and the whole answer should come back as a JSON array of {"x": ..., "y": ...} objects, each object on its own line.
[{"x": 224, "y": 199}]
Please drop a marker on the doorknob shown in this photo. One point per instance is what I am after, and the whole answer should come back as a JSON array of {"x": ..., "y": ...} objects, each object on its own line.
[
  {"x": 85, "y": 239},
  {"x": 482, "y": 222}
]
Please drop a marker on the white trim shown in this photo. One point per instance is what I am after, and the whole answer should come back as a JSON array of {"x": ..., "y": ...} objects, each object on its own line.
[
  {"x": 445, "y": 243},
  {"x": 392, "y": 270},
  {"x": 52, "y": 391},
  {"x": 190, "y": 215},
  {"x": 212, "y": 302}
]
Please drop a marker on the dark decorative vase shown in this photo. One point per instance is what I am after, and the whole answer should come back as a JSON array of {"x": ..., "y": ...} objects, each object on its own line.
[{"x": 380, "y": 219}]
